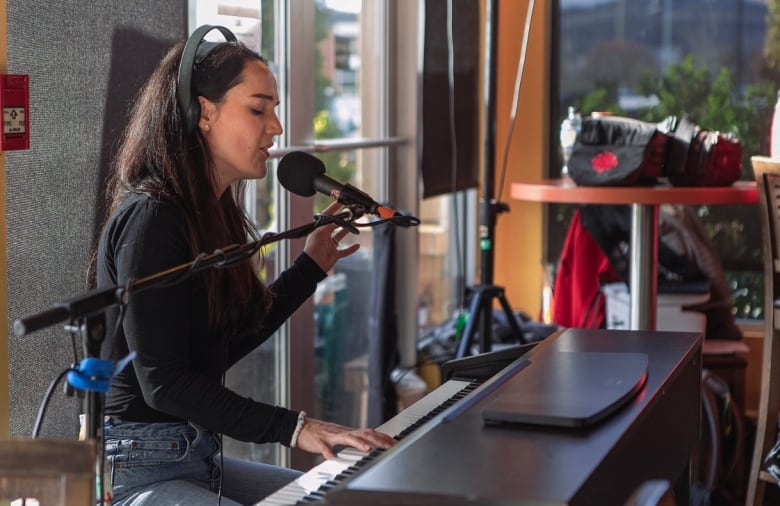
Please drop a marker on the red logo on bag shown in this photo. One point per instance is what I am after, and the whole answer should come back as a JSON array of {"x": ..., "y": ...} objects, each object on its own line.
[{"x": 604, "y": 161}]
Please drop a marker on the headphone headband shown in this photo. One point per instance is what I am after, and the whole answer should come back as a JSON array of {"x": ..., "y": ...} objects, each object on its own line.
[{"x": 195, "y": 51}]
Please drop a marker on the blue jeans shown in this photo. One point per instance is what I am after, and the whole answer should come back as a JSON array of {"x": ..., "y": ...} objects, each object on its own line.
[{"x": 179, "y": 463}]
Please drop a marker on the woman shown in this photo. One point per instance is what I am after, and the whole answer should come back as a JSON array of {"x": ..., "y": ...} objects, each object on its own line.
[{"x": 173, "y": 194}]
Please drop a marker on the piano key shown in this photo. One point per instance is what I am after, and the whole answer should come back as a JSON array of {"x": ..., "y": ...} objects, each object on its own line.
[{"x": 304, "y": 488}]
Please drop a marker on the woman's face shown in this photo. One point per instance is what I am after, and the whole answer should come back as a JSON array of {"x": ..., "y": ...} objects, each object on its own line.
[{"x": 241, "y": 128}]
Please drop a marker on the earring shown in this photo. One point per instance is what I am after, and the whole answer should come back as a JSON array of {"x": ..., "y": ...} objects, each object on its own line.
[{"x": 207, "y": 126}]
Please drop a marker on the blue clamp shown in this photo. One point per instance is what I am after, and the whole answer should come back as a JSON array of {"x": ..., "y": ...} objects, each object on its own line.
[{"x": 94, "y": 374}]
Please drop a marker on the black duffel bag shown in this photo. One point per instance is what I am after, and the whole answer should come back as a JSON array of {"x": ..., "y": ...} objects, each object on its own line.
[
  {"x": 618, "y": 151},
  {"x": 699, "y": 157}
]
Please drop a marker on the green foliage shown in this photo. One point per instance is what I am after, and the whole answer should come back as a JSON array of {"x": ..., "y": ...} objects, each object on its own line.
[
  {"x": 714, "y": 104},
  {"x": 683, "y": 89},
  {"x": 599, "y": 100},
  {"x": 268, "y": 29},
  {"x": 771, "y": 61},
  {"x": 340, "y": 164}
]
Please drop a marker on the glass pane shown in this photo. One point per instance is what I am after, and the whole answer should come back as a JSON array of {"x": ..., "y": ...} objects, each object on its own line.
[
  {"x": 447, "y": 254},
  {"x": 253, "y": 23},
  {"x": 649, "y": 60},
  {"x": 337, "y": 61},
  {"x": 256, "y": 375},
  {"x": 345, "y": 108},
  {"x": 343, "y": 309},
  {"x": 444, "y": 258}
]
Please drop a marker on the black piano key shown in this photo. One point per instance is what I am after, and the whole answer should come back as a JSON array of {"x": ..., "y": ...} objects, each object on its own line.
[{"x": 338, "y": 480}]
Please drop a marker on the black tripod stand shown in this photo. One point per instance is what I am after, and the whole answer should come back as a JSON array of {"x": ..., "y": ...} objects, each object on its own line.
[
  {"x": 483, "y": 295},
  {"x": 481, "y": 306}
]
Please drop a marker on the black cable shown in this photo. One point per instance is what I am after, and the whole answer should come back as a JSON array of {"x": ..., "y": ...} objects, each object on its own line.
[
  {"x": 516, "y": 94},
  {"x": 46, "y": 399},
  {"x": 221, "y": 465},
  {"x": 219, "y": 435},
  {"x": 119, "y": 319},
  {"x": 191, "y": 269}
]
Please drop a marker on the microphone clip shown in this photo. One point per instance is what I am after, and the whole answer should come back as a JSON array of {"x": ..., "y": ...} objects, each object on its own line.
[{"x": 344, "y": 219}]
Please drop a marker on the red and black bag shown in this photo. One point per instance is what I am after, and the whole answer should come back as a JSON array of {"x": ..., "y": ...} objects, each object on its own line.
[
  {"x": 699, "y": 157},
  {"x": 618, "y": 151}
]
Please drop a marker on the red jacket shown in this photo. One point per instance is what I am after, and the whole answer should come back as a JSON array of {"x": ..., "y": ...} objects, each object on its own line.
[{"x": 583, "y": 267}]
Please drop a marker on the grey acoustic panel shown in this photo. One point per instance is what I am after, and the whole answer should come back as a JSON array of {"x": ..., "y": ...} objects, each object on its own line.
[{"x": 86, "y": 60}]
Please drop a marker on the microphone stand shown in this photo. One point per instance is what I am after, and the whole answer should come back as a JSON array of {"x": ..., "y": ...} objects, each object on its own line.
[{"x": 86, "y": 313}]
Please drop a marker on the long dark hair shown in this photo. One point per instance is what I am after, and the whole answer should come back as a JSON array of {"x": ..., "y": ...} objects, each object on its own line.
[{"x": 158, "y": 157}]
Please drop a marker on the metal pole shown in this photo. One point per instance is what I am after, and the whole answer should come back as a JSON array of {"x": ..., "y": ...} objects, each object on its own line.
[
  {"x": 488, "y": 214},
  {"x": 644, "y": 266}
]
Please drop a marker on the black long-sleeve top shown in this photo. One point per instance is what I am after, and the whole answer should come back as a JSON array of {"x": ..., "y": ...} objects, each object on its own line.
[{"x": 179, "y": 365}]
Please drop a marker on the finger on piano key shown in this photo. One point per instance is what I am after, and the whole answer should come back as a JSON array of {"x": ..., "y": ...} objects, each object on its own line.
[
  {"x": 351, "y": 454},
  {"x": 323, "y": 472},
  {"x": 348, "y": 457}
]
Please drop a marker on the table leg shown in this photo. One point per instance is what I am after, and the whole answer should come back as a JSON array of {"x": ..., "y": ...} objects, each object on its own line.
[{"x": 643, "y": 274}]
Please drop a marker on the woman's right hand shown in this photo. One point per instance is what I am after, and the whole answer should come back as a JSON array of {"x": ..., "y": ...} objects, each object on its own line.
[
  {"x": 322, "y": 245},
  {"x": 317, "y": 436}
]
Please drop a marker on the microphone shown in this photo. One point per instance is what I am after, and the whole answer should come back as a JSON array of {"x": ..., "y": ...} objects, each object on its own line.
[{"x": 304, "y": 175}]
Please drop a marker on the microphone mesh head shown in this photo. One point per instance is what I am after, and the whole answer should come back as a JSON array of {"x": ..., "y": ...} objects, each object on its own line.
[{"x": 297, "y": 170}]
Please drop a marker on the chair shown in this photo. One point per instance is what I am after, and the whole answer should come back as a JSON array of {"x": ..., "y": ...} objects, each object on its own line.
[
  {"x": 55, "y": 472},
  {"x": 767, "y": 174}
]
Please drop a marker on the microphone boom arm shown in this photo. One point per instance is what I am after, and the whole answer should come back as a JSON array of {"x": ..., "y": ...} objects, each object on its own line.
[{"x": 94, "y": 301}]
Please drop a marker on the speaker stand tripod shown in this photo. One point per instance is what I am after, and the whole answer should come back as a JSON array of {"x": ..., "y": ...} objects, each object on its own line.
[{"x": 481, "y": 311}]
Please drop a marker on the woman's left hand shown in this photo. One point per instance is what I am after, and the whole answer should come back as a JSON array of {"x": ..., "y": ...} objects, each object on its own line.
[{"x": 323, "y": 244}]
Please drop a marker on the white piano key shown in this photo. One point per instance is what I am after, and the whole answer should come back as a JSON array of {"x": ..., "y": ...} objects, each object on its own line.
[
  {"x": 352, "y": 454},
  {"x": 313, "y": 479},
  {"x": 422, "y": 408}
]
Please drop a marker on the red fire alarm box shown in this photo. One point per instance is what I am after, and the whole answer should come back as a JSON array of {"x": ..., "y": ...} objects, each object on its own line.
[{"x": 15, "y": 104}]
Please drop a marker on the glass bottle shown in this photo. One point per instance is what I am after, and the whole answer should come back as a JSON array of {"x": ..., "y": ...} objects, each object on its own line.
[{"x": 570, "y": 129}]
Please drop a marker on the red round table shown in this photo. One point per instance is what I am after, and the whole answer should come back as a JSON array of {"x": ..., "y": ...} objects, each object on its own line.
[{"x": 644, "y": 202}]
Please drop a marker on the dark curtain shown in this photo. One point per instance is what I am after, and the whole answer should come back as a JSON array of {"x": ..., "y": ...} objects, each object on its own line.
[
  {"x": 383, "y": 331},
  {"x": 439, "y": 172}
]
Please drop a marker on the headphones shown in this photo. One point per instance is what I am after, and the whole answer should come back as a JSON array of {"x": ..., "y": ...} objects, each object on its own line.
[{"x": 195, "y": 51}]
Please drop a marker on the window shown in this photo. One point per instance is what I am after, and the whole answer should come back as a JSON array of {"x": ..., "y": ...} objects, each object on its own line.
[
  {"x": 333, "y": 62},
  {"x": 652, "y": 59}
]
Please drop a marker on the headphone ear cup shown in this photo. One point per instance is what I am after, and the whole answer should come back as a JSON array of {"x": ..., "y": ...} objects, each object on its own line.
[{"x": 188, "y": 104}]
